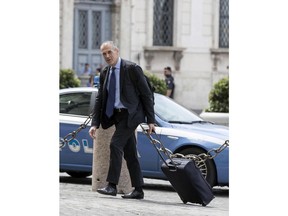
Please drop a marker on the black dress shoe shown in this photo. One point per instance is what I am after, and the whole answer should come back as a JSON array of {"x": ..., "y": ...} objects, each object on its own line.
[
  {"x": 134, "y": 195},
  {"x": 108, "y": 190}
]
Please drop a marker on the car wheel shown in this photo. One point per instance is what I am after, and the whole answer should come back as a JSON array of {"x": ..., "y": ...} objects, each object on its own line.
[
  {"x": 79, "y": 174},
  {"x": 206, "y": 167}
]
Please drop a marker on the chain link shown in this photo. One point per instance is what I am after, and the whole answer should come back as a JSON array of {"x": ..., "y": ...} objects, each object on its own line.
[
  {"x": 203, "y": 157},
  {"x": 73, "y": 134},
  {"x": 62, "y": 143},
  {"x": 197, "y": 158}
]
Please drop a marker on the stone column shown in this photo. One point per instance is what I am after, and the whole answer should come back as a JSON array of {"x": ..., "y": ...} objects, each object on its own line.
[{"x": 101, "y": 155}]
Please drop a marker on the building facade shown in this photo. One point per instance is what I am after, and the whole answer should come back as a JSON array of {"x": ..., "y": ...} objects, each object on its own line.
[{"x": 190, "y": 36}]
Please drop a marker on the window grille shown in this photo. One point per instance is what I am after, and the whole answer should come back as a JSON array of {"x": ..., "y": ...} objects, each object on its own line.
[
  {"x": 96, "y": 29},
  {"x": 224, "y": 24},
  {"x": 95, "y": 1},
  {"x": 83, "y": 29},
  {"x": 163, "y": 23}
]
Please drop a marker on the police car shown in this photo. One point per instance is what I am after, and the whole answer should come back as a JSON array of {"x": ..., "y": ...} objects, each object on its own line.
[{"x": 179, "y": 129}]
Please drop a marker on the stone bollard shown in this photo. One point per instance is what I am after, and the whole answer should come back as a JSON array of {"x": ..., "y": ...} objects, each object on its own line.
[
  {"x": 101, "y": 157},
  {"x": 84, "y": 80}
]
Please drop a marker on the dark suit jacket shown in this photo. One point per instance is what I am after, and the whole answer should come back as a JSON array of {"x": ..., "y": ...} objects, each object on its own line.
[{"x": 136, "y": 96}]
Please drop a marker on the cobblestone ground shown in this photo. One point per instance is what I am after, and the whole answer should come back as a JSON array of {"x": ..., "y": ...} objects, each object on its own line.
[{"x": 160, "y": 199}]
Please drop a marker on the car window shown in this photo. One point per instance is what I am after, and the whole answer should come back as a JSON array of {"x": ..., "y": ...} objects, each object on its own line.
[
  {"x": 75, "y": 103},
  {"x": 170, "y": 111}
]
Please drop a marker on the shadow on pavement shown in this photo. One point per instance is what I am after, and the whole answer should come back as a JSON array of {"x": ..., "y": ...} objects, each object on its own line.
[
  {"x": 218, "y": 191},
  {"x": 163, "y": 203},
  {"x": 88, "y": 181},
  {"x": 68, "y": 179}
]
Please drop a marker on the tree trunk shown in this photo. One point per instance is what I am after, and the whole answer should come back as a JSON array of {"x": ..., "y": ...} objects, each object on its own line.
[{"x": 101, "y": 157}]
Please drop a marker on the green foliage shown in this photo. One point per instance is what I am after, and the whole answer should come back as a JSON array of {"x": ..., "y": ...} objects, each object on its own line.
[
  {"x": 68, "y": 79},
  {"x": 219, "y": 97},
  {"x": 157, "y": 83}
]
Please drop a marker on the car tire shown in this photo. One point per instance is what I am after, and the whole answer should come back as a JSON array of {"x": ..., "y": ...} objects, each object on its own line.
[
  {"x": 79, "y": 174},
  {"x": 206, "y": 167}
]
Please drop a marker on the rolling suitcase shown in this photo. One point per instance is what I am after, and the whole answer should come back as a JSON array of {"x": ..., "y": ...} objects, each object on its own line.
[
  {"x": 188, "y": 181},
  {"x": 184, "y": 176}
]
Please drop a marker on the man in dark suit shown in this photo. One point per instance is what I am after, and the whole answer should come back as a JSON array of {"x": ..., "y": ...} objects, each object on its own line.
[
  {"x": 169, "y": 80},
  {"x": 125, "y": 102}
]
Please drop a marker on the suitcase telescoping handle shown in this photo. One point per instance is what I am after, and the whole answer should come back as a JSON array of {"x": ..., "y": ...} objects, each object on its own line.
[{"x": 161, "y": 147}]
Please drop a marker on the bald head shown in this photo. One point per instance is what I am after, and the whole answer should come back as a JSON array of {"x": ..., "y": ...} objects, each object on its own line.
[{"x": 110, "y": 52}]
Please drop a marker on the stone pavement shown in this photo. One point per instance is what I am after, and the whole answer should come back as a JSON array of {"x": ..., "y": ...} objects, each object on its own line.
[{"x": 77, "y": 198}]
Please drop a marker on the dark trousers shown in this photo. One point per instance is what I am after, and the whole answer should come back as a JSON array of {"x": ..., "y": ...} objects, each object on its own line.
[{"x": 124, "y": 142}]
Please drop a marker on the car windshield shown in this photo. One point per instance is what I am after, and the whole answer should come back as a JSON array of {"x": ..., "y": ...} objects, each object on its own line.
[{"x": 170, "y": 111}]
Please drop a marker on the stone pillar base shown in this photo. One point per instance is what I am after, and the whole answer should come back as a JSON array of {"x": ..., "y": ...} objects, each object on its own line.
[{"x": 101, "y": 156}]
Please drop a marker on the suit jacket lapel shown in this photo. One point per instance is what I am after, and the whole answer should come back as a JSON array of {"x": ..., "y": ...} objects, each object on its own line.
[
  {"x": 106, "y": 78},
  {"x": 122, "y": 74}
]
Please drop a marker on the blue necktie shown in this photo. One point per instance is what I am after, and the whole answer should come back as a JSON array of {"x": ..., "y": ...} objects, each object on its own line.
[{"x": 111, "y": 94}]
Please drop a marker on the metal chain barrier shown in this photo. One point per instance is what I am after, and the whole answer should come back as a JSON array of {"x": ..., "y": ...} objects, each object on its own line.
[
  {"x": 203, "y": 157},
  {"x": 197, "y": 158},
  {"x": 73, "y": 134}
]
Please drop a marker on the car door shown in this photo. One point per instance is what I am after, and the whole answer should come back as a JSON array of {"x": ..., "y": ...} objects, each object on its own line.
[
  {"x": 74, "y": 110},
  {"x": 148, "y": 157}
]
